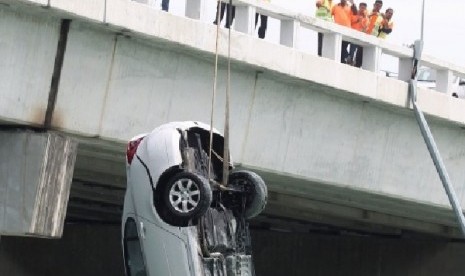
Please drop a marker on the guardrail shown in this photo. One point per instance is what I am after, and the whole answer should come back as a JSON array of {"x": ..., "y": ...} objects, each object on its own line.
[
  {"x": 291, "y": 24},
  {"x": 290, "y": 28}
]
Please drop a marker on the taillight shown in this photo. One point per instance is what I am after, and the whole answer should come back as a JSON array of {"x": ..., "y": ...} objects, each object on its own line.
[{"x": 132, "y": 148}]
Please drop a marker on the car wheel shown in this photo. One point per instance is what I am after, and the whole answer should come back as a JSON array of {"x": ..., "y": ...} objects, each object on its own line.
[
  {"x": 187, "y": 196},
  {"x": 256, "y": 191}
]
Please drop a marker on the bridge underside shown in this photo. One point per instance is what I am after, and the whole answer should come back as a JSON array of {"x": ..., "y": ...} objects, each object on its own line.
[{"x": 294, "y": 204}]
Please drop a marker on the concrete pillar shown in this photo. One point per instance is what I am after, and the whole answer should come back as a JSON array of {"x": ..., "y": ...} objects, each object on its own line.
[
  {"x": 405, "y": 68},
  {"x": 332, "y": 46},
  {"x": 371, "y": 58},
  {"x": 245, "y": 19},
  {"x": 444, "y": 80},
  {"x": 195, "y": 9},
  {"x": 289, "y": 32},
  {"x": 36, "y": 170}
]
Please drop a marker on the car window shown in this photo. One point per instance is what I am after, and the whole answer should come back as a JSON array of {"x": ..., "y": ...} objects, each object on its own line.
[
  {"x": 426, "y": 74},
  {"x": 132, "y": 250}
]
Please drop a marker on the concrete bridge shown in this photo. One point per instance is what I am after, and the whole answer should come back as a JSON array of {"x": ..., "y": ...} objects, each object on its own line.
[{"x": 337, "y": 145}]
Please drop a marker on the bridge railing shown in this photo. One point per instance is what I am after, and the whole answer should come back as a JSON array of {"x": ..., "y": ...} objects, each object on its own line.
[{"x": 291, "y": 24}]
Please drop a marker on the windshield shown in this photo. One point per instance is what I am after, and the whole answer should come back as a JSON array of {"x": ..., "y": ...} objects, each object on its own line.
[
  {"x": 429, "y": 75},
  {"x": 426, "y": 74}
]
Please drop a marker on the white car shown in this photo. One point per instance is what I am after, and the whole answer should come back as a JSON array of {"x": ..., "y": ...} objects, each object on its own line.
[
  {"x": 427, "y": 79},
  {"x": 178, "y": 219}
]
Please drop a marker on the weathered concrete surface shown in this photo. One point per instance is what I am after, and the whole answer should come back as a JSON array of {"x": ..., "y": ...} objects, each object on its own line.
[
  {"x": 28, "y": 48},
  {"x": 36, "y": 170},
  {"x": 96, "y": 250}
]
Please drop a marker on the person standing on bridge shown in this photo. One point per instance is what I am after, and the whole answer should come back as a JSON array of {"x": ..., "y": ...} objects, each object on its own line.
[
  {"x": 387, "y": 24},
  {"x": 373, "y": 26},
  {"x": 165, "y": 4},
  {"x": 323, "y": 11},
  {"x": 263, "y": 23},
  {"x": 230, "y": 13},
  {"x": 342, "y": 16},
  {"x": 374, "y": 19},
  {"x": 359, "y": 21}
]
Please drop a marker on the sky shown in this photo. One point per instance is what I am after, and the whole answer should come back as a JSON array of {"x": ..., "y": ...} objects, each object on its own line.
[{"x": 444, "y": 29}]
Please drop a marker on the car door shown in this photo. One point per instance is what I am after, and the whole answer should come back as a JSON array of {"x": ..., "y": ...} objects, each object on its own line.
[
  {"x": 133, "y": 257},
  {"x": 166, "y": 253}
]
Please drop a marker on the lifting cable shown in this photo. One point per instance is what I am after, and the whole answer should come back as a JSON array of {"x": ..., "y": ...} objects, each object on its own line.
[
  {"x": 215, "y": 80},
  {"x": 228, "y": 86},
  {"x": 225, "y": 160},
  {"x": 428, "y": 136},
  {"x": 226, "y": 108}
]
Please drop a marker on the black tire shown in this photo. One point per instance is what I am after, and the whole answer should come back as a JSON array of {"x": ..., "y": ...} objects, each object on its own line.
[
  {"x": 186, "y": 197},
  {"x": 257, "y": 192}
]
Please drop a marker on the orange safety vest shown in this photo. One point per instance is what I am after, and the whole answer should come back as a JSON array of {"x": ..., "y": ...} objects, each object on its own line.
[
  {"x": 374, "y": 21},
  {"x": 359, "y": 22},
  {"x": 342, "y": 15}
]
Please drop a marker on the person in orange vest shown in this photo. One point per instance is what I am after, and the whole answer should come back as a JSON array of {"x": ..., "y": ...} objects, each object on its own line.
[
  {"x": 359, "y": 22},
  {"x": 373, "y": 23},
  {"x": 374, "y": 19},
  {"x": 387, "y": 24},
  {"x": 359, "y": 19},
  {"x": 323, "y": 11},
  {"x": 342, "y": 16}
]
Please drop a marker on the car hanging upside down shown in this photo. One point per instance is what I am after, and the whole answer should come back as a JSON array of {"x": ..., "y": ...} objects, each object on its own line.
[{"x": 178, "y": 219}]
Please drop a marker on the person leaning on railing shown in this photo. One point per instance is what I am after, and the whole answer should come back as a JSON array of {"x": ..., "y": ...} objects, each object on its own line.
[
  {"x": 359, "y": 21},
  {"x": 342, "y": 16},
  {"x": 323, "y": 11},
  {"x": 372, "y": 28},
  {"x": 387, "y": 24},
  {"x": 375, "y": 18}
]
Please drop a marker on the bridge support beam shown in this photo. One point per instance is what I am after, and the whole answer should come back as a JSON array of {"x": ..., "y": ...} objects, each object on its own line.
[
  {"x": 332, "y": 46},
  {"x": 195, "y": 9},
  {"x": 36, "y": 170},
  {"x": 405, "y": 69},
  {"x": 289, "y": 33},
  {"x": 245, "y": 19},
  {"x": 371, "y": 57},
  {"x": 444, "y": 79}
]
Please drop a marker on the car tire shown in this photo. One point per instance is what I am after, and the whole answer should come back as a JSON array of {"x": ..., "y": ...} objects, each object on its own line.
[
  {"x": 257, "y": 192},
  {"x": 186, "y": 197}
]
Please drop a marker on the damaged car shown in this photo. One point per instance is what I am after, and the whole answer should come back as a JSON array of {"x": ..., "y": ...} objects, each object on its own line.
[{"x": 179, "y": 218}]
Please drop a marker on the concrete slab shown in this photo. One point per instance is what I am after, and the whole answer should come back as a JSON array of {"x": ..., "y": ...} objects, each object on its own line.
[
  {"x": 36, "y": 175},
  {"x": 84, "y": 79},
  {"x": 132, "y": 15},
  {"x": 89, "y": 9},
  {"x": 28, "y": 47}
]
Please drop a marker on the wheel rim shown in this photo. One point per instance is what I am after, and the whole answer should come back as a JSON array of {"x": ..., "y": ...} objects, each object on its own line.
[{"x": 184, "y": 195}]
